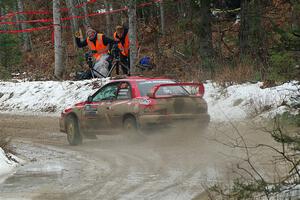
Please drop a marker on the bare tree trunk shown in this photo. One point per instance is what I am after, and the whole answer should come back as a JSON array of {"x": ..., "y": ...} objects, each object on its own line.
[
  {"x": 1, "y": 14},
  {"x": 132, "y": 34},
  {"x": 253, "y": 36},
  {"x": 245, "y": 28},
  {"x": 180, "y": 10},
  {"x": 25, "y": 36},
  {"x": 162, "y": 17},
  {"x": 143, "y": 16},
  {"x": 86, "y": 18},
  {"x": 58, "y": 50},
  {"x": 204, "y": 30},
  {"x": 17, "y": 18},
  {"x": 187, "y": 9},
  {"x": 295, "y": 18},
  {"x": 107, "y": 18},
  {"x": 115, "y": 17},
  {"x": 74, "y": 21}
]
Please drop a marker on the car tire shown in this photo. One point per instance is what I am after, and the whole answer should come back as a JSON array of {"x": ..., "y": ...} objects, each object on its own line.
[
  {"x": 73, "y": 134},
  {"x": 129, "y": 124},
  {"x": 131, "y": 129}
]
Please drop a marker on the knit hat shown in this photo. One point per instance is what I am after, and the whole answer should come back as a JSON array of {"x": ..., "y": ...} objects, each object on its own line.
[{"x": 89, "y": 29}]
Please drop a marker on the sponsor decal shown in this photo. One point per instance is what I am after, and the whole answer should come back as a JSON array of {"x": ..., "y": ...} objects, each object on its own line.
[{"x": 144, "y": 101}]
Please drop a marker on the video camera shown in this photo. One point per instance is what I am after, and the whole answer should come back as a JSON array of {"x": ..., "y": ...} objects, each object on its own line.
[
  {"x": 89, "y": 58},
  {"x": 115, "y": 51}
]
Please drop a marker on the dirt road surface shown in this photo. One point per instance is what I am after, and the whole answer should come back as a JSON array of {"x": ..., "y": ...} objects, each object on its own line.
[{"x": 171, "y": 165}]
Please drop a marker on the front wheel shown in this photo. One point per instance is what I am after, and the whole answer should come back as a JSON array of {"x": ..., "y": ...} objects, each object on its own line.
[
  {"x": 129, "y": 124},
  {"x": 131, "y": 129},
  {"x": 73, "y": 133}
]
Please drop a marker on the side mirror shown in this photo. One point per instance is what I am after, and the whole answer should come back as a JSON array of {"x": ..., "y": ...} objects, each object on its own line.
[{"x": 90, "y": 99}]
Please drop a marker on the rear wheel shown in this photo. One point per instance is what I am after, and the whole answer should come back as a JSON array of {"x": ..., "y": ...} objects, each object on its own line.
[
  {"x": 73, "y": 133},
  {"x": 129, "y": 124}
]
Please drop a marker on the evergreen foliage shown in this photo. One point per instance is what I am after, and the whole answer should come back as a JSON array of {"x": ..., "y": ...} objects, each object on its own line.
[
  {"x": 283, "y": 67},
  {"x": 208, "y": 34},
  {"x": 10, "y": 54}
]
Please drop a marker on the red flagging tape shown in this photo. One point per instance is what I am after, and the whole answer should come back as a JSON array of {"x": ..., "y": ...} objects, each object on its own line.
[
  {"x": 27, "y": 21},
  {"x": 148, "y": 4},
  {"x": 28, "y": 30},
  {"x": 9, "y": 15},
  {"x": 65, "y": 19},
  {"x": 32, "y": 29}
]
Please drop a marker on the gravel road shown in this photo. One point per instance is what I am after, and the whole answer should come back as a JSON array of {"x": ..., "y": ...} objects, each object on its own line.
[{"x": 171, "y": 165}]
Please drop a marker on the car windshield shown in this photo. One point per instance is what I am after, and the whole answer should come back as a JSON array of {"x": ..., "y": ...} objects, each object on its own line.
[{"x": 145, "y": 87}]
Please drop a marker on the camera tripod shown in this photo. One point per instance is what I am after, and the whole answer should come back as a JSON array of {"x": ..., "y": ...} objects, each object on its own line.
[{"x": 115, "y": 62}]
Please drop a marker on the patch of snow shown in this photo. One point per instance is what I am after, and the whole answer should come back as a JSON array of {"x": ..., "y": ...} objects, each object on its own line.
[
  {"x": 7, "y": 165},
  {"x": 239, "y": 102},
  {"x": 236, "y": 102},
  {"x": 44, "y": 96}
]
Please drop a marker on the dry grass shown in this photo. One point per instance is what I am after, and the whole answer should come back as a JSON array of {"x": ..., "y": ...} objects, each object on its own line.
[{"x": 238, "y": 74}]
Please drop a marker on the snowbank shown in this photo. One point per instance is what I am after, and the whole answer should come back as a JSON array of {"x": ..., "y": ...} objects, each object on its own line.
[
  {"x": 44, "y": 97},
  {"x": 7, "y": 166},
  {"x": 248, "y": 100},
  {"x": 236, "y": 102}
]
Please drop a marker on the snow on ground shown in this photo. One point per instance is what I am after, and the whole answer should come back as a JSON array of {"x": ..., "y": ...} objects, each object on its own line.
[
  {"x": 43, "y": 97},
  {"x": 7, "y": 165},
  {"x": 236, "y": 102}
]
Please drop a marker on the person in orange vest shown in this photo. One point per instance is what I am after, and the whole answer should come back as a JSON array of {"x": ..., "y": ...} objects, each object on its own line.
[
  {"x": 95, "y": 41},
  {"x": 121, "y": 37},
  {"x": 100, "y": 45}
]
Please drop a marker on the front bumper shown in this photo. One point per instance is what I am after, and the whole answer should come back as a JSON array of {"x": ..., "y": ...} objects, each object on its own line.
[{"x": 146, "y": 121}]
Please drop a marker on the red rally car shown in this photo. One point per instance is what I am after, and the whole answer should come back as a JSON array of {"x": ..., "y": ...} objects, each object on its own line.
[{"x": 135, "y": 103}]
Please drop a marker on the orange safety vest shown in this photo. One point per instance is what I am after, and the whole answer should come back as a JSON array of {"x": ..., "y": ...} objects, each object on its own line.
[
  {"x": 123, "y": 48},
  {"x": 99, "y": 47}
]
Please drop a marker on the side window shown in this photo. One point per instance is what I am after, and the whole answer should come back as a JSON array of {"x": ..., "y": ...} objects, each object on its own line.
[
  {"x": 108, "y": 92},
  {"x": 124, "y": 91}
]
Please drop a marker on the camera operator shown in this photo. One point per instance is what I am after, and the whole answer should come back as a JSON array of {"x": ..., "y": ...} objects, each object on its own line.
[
  {"x": 95, "y": 41},
  {"x": 99, "y": 46},
  {"x": 121, "y": 38}
]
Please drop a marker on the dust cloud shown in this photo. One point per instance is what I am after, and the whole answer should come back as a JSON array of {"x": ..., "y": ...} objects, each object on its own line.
[{"x": 178, "y": 162}]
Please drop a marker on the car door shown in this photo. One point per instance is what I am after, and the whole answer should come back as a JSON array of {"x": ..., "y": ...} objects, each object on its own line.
[
  {"x": 95, "y": 113},
  {"x": 89, "y": 116},
  {"x": 117, "y": 108}
]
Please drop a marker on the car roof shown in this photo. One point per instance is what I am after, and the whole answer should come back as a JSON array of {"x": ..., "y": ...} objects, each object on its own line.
[{"x": 139, "y": 78}]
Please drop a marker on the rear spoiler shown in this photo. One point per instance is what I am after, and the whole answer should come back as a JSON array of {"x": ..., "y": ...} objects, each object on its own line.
[{"x": 152, "y": 93}]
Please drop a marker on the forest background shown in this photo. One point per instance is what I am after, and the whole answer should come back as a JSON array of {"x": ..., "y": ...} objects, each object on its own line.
[{"x": 227, "y": 41}]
